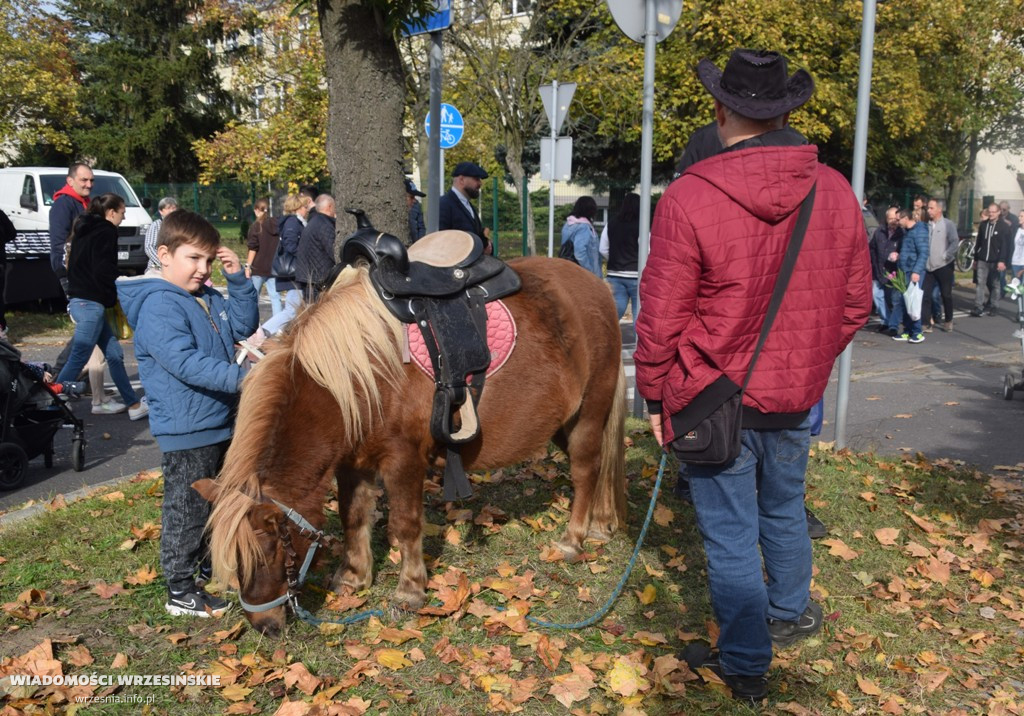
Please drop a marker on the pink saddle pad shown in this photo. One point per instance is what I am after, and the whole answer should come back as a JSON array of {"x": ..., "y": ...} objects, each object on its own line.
[{"x": 501, "y": 339}]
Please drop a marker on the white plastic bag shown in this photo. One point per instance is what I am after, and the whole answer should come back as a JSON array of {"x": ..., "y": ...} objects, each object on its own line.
[{"x": 912, "y": 297}]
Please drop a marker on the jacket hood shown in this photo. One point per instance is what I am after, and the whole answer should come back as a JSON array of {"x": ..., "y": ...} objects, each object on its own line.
[
  {"x": 770, "y": 182},
  {"x": 66, "y": 190},
  {"x": 134, "y": 290}
]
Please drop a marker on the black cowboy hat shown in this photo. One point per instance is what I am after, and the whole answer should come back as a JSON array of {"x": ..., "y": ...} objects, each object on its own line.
[{"x": 756, "y": 84}]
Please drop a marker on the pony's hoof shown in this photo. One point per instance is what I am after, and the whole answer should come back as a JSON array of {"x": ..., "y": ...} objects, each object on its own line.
[
  {"x": 349, "y": 583},
  {"x": 567, "y": 548},
  {"x": 410, "y": 601},
  {"x": 600, "y": 534}
]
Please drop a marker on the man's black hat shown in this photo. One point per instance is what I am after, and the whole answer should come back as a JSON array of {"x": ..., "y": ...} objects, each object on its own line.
[
  {"x": 756, "y": 84},
  {"x": 469, "y": 169},
  {"x": 411, "y": 189}
]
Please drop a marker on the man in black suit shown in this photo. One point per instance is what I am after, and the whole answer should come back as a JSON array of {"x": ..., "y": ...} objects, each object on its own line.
[{"x": 455, "y": 210}]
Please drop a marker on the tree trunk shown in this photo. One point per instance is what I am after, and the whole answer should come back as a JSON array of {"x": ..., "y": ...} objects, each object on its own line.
[
  {"x": 957, "y": 183},
  {"x": 514, "y": 162},
  {"x": 364, "y": 117}
]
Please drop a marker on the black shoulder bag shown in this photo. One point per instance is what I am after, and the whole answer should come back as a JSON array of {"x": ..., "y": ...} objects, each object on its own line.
[{"x": 709, "y": 429}]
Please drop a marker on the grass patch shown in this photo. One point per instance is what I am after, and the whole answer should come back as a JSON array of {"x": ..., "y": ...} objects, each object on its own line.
[
  {"x": 39, "y": 325},
  {"x": 928, "y": 619}
]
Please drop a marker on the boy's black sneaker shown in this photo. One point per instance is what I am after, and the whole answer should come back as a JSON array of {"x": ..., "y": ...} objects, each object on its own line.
[
  {"x": 786, "y": 633},
  {"x": 750, "y": 689},
  {"x": 816, "y": 529},
  {"x": 205, "y": 575},
  {"x": 195, "y": 603}
]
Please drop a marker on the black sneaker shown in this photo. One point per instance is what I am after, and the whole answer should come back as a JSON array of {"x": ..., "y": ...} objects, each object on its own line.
[
  {"x": 975, "y": 312},
  {"x": 786, "y": 633},
  {"x": 816, "y": 529},
  {"x": 205, "y": 574},
  {"x": 751, "y": 689},
  {"x": 195, "y": 603}
]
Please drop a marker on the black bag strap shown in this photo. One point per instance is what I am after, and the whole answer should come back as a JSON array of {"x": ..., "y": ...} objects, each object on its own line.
[{"x": 796, "y": 239}]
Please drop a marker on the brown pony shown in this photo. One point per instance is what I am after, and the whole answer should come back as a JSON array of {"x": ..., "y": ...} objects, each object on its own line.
[{"x": 334, "y": 402}]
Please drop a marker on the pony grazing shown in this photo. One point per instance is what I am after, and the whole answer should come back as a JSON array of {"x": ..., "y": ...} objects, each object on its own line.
[{"x": 334, "y": 402}]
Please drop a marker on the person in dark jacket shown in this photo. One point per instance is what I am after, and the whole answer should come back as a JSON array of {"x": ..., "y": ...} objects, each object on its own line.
[
  {"x": 880, "y": 246},
  {"x": 316, "y": 255},
  {"x": 992, "y": 253},
  {"x": 69, "y": 202},
  {"x": 455, "y": 209},
  {"x": 913, "y": 258},
  {"x": 620, "y": 245},
  {"x": 262, "y": 242},
  {"x": 417, "y": 229},
  {"x": 92, "y": 271},
  {"x": 705, "y": 292}
]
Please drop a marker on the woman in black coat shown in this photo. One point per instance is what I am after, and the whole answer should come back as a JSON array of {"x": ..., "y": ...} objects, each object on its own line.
[{"x": 92, "y": 271}]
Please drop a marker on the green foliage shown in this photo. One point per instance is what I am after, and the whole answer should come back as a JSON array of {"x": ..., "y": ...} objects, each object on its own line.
[
  {"x": 149, "y": 85},
  {"x": 38, "y": 82},
  {"x": 290, "y": 143}
]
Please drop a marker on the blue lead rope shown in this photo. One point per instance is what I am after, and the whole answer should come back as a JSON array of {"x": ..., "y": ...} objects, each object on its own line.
[
  {"x": 306, "y": 616},
  {"x": 599, "y": 614}
]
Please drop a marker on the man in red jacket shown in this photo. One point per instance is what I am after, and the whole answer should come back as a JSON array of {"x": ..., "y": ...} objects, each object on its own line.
[{"x": 717, "y": 242}]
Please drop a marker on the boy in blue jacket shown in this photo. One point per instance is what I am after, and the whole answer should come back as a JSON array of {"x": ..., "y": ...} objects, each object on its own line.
[
  {"x": 912, "y": 261},
  {"x": 185, "y": 333}
]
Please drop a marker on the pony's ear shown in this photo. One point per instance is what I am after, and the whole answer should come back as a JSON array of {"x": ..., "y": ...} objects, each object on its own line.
[
  {"x": 207, "y": 488},
  {"x": 266, "y": 517}
]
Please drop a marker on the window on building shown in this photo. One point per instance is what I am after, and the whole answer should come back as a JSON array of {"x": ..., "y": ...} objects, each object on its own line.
[
  {"x": 231, "y": 41},
  {"x": 257, "y": 38},
  {"x": 516, "y": 7},
  {"x": 258, "y": 95}
]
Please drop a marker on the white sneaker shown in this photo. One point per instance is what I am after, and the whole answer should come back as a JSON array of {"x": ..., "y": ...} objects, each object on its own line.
[
  {"x": 109, "y": 408},
  {"x": 140, "y": 412},
  {"x": 1019, "y": 333}
]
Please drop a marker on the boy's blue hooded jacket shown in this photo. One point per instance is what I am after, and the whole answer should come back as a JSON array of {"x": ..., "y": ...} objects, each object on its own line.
[{"x": 186, "y": 357}]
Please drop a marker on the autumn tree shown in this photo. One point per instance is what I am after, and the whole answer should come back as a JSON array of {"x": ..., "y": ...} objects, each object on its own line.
[
  {"x": 39, "y": 83},
  {"x": 149, "y": 85},
  {"x": 283, "y": 136}
]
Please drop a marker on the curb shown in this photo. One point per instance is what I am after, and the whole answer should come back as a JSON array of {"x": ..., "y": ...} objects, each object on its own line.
[{"x": 25, "y": 513}]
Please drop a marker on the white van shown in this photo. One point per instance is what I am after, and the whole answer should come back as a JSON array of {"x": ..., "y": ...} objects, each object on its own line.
[{"x": 26, "y": 194}]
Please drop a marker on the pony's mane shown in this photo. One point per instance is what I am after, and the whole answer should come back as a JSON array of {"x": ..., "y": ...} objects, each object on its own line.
[{"x": 348, "y": 342}]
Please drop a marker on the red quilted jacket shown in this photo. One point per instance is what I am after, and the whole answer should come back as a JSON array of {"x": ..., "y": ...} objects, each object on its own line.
[{"x": 717, "y": 242}]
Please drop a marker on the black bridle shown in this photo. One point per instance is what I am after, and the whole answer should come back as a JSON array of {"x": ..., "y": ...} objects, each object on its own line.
[{"x": 295, "y": 577}]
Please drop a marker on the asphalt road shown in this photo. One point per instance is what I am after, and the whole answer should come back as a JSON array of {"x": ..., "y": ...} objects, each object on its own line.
[{"x": 942, "y": 397}]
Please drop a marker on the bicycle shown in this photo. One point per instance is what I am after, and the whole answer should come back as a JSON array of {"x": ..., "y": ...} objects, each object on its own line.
[{"x": 965, "y": 254}]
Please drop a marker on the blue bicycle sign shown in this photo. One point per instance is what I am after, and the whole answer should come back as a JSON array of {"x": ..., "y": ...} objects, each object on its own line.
[{"x": 452, "y": 126}]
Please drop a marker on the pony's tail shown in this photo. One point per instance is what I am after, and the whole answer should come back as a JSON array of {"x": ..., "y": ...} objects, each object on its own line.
[{"x": 610, "y": 491}]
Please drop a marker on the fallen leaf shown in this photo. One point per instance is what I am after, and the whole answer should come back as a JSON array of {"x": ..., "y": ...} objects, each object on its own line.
[
  {"x": 838, "y": 548},
  {"x": 649, "y": 594},
  {"x": 868, "y": 686},
  {"x": 903, "y": 415},
  {"x": 887, "y": 535},
  {"x": 663, "y": 516},
  {"x": 392, "y": 659},
  {"x": 116, "y": 496},
  {"x": 145, "y": 575},
  {"x": 106, "y": 591},
  {"x": 235, "y": 692}
]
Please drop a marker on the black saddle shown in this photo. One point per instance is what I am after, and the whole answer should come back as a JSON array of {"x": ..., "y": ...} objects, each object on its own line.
[{"x": 441, "y": 283}]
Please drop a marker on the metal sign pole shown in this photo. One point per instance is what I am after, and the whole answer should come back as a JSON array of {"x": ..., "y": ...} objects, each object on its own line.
[
  {"x": 435, "y": 180},
  {"x": 646, "y": 160},
  {"x": 860, "y": 145},
  {"x": 554, "y": 173}
]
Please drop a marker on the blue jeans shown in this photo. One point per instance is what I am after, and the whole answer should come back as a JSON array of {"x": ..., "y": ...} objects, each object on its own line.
[
  {"x": 276, "y": 323},
  {"x": 896, "y": 308},
  {"x": 757, "y": 500},
  {"x": 624, "y": 291},
  {"x": 92, "y": 329},
  {"x": 878, "y": 294},
  {"x": 275, "y": 297}
]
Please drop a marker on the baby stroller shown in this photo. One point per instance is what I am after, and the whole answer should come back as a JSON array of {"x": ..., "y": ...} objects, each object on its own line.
[
  {"x": 31, "y": 415},
  {"x": 1015, "y": 380}
]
